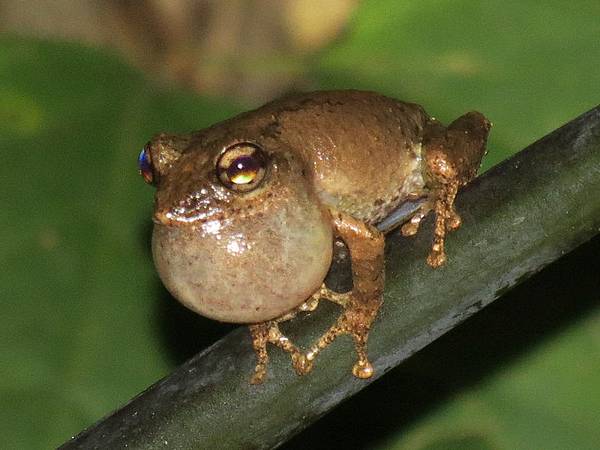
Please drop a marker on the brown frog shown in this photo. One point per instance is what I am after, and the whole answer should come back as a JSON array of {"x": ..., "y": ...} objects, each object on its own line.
[{"x": 246, "y": 211}]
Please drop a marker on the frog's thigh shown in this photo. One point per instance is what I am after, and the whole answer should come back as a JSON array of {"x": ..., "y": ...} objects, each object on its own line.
[{"x": 366, "y": 246}]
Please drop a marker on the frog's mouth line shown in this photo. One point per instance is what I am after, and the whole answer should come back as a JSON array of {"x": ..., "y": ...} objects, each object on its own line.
[{"x": 169, "y": 219}]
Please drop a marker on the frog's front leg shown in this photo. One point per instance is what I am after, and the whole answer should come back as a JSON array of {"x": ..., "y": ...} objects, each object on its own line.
[
  {"x": 268, "y": 333},
  {"x": 361, "y": 305},
  {"x": 452, "y": 156}
]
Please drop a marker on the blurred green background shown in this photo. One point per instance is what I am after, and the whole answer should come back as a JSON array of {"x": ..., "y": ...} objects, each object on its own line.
[{"x": 85, "y": 323}]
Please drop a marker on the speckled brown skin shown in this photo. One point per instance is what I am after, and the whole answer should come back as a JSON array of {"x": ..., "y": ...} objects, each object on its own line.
[{"x": 338, "y": 163}]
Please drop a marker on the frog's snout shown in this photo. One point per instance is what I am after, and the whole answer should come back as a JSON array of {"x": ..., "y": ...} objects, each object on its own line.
[
  {"x": 161, "y": 218},
  {"x": 166, "y": 218}
]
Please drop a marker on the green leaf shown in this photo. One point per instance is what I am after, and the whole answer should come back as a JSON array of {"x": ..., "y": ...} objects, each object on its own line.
[
  {"x": 80, "y": 322},
  {"x": 529, "y": 66}
]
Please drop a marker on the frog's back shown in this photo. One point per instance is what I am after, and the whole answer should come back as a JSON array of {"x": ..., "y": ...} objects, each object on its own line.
[{"x": 363, "y": 149}]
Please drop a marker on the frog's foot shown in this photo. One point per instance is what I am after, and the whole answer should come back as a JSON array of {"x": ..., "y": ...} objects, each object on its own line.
[
  {"x": 303, "y": 364},
  {"x": 356, "y": 320},
  {"x": 446, "y": 219},
  {"x": 269, "y": 333},
  {"x": 452, "y": 157}
]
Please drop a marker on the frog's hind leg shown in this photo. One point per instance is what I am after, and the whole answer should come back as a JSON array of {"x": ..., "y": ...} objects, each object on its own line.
[
  {"x": 361, "y": 305},
  {"x": 446, "y": 219},
  {"x": 269, "y": 333},
  {"x": 452, "y": 156}
]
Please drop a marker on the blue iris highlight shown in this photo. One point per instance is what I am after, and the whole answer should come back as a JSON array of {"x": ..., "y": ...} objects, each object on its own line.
[
  {"x": 145, "y": 166},
  {"x": 143, "y": 162}
]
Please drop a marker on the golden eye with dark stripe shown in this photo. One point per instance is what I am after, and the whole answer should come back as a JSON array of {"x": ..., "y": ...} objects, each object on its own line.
[{"x": 242, "y": 167}]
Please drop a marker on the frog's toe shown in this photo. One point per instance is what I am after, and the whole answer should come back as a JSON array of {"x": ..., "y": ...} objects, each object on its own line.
[
  {"x": 302, "y": 365},
  {"x": 362, "y": 369},
  {"x": 453, "y": 222},
  {"x": 410, "y": 228},
  {"x": 436, "y": 258},
  {"x": 259, "y": 376}
]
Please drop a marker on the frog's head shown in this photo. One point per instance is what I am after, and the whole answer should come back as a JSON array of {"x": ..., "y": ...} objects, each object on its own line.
[{"x": 239, "y": 234}]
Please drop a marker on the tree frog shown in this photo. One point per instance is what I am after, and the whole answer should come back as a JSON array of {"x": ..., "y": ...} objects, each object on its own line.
[{"x": 247, "y": 210}]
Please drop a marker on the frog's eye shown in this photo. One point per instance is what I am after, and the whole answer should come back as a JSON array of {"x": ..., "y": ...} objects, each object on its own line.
[
  {"x": 145, "y": 166},
  {"x": 242, "y": 167}
]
